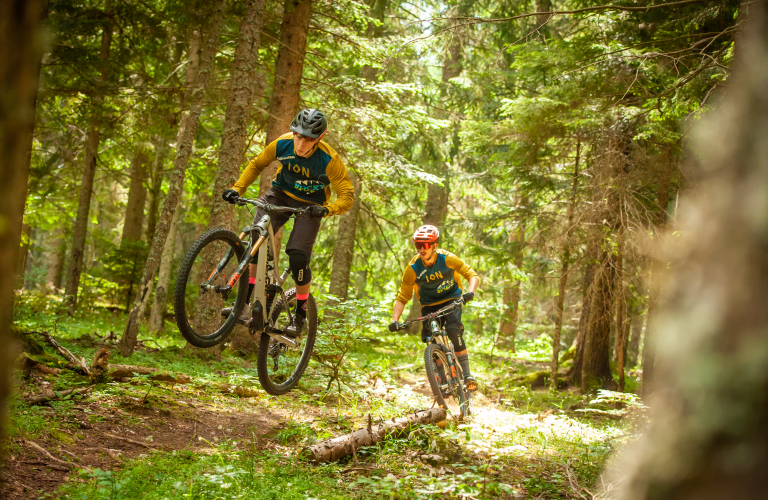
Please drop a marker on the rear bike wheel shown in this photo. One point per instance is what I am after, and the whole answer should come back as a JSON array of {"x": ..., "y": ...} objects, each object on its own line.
[
  {"x": 279, "y": 366},
  {"x": 456, "y": 398},
  {"x": 198, "y": 310}
]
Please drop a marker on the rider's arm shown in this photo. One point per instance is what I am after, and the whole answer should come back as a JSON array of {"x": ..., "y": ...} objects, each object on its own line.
[
  {"x": 257, "y": 165},
  {"x": 405, "y": 293},
  {"x": 345, "y": 192},
  {"x": 464, "y": 270}
]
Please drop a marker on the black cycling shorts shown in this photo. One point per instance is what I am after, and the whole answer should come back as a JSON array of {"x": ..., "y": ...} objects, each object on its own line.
[
  {"x": 452, "y": 322},
  {"x": 305, "y": 228}
]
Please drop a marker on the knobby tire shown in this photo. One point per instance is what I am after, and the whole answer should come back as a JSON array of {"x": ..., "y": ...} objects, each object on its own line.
[
  {"x": 202, "y": 339},
  {"x": 263, "y": 360},
  {"x": 436, "y": 350}
]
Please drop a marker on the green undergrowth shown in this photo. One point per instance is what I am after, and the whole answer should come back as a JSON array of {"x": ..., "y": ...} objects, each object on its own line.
[{"x": 215, "y": 475}]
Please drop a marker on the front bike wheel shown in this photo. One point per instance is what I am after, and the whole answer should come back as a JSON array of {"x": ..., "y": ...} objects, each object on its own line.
[
  {"x": 455, "y": 401},
  {"x": 279, "y": 366},
  {"x": 198, "y": 310}
]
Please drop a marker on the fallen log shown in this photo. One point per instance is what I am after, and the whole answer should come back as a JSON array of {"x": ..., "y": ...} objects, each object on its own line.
[
  {"x": 332, "y": 450},
  {"x": 128, "y": 371},
  {"x": 44, "y": 397},
  {"x": 75, "y": 364}
]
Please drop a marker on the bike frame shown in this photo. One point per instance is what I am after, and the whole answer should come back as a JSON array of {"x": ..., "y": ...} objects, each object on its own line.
[{"x": 265, "y": 262}]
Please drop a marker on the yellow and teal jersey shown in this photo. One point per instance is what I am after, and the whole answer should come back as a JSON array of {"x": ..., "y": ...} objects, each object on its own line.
[
  {"x": 308, "y": 179},
  {"x": 436, "y": 284}
]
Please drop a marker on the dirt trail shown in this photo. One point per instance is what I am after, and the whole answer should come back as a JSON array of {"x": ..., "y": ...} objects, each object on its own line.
[{"x": 161, "y": 424}]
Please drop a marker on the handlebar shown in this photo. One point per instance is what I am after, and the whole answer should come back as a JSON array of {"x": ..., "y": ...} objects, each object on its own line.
[
  {"x": 437, "y": 314},
  {"x": 241, "y": 202}
]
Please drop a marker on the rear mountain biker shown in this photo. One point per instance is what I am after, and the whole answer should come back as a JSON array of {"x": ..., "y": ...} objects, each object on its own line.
[
  {"x": 308, "y": 169},
  {"x": 435, "y": 275}
]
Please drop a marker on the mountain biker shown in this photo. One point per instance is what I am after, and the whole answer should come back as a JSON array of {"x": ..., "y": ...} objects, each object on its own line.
[
  {"x": 308, "y": 169},
  {"x": 435, "y": 275}
]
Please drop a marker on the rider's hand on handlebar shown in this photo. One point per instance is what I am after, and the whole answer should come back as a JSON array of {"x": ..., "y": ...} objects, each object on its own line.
[
  {"x": 468, "y": 296},
  {"x": 394, "y": 326},
  {"x": 230, "y": 195},
  {"x": 317, "y": 211}
]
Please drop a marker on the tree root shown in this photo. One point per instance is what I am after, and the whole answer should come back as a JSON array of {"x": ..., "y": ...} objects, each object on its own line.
[{"x": 53, "y": 395}]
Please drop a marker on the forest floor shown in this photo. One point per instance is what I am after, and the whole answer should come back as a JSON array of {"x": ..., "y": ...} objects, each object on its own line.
[{"x": 134, "y": 438}]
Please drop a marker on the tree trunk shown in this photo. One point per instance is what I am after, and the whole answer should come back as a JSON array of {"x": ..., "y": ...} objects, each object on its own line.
[
  {"x": 574, "y": 374},
  {"x": 655, "y": 279},
  {"x": 621, "y": 348},
  {"x": 289, "y": 69},
  {"x": 344, "y": 250},
  {"x": 510, "y": 299},
  {"x": 21, "y": 260},
  {"x": 636, "y": 332},
  {"x": 707, "y": 436},
  {"x": 565, "y": 260},
  {"x": 56, "y": 257},
  {"x": 159, "y": 306},
  {"x": 184, "y": 142},
  {"x": 75, "y": 267},
  {"x": 232, "y": 150},
  {"x": 137, "y": 197},
  {"x": 155, "y": 186},
  {"x": 596, "y": 367},
  {"x": 21, "y": 47}
]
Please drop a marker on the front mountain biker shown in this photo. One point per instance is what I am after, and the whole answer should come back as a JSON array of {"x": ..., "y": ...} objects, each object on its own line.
[
  {"x": 435, "y": 274},
  {"x": 308, "y": 169}
]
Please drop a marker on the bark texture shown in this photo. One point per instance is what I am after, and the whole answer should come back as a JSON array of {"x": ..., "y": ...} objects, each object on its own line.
[
  {"x": 20, "y": 52},
  {"x": 288, "y": 72},
  {"x": 137, "y": 197},
  {"x": 574, "y": 374},
  {"x": 160, "y": 304},
  {"x": 344, "y": 250},
  {"x": 565, "y": 263},
  {"x": 58, "y": 247},
  {"x": 185, "y": 142},
  {"x": 155, "y": 186},
  {"x": 75, "y": 267},
  {"x": 707, "y": 436},
  {"x": 596, "y": 367},
  {"x": 342, "y": 446}
]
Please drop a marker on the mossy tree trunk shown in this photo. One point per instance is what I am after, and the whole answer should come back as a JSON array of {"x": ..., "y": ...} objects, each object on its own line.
[{"x": 184, "y": 142}]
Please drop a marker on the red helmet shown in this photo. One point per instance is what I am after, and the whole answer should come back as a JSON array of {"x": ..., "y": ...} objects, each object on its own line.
[{"x": 426, "y": 233}]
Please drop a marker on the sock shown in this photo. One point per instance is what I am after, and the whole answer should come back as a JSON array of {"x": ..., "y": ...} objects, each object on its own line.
[
  {"x": 251, "y": 284},
  {"x": 463, "y": 360},
  {"x": 301, "y": 304}
]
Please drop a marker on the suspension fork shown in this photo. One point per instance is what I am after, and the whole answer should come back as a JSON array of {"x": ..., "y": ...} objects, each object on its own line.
[{"x": 223, "y": 262}]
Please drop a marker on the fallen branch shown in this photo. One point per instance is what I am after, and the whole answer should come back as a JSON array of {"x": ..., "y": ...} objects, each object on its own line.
[
  {"x": 50, "y": 466},
  {"x": 120, "y": 438},
  {"x": 128, "y": 371},
  {"x": 42, "y": 450},
  {"x": 52, "y": 395},
  {"x": 333, "y": 449},
  {"x": 77, "y": 364},
  {"x": 404, "y": 367}
]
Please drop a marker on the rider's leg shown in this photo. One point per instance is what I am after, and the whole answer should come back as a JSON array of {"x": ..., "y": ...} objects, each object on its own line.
[
  {"x": 302, "y": 276},
  {"x": 455, "y": 330}
]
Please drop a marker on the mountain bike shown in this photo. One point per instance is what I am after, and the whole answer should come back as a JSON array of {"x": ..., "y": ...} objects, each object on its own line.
[
  {"x": 443, "y": 370},
  {"x": 201, "y": 296}
]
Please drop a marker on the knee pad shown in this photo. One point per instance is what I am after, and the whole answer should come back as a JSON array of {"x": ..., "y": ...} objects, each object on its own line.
[{"x": 299, "y": 263}]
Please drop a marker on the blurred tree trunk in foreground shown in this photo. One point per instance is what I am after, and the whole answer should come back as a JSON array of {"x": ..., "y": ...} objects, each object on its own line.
[
  {"x": 707, "y": 438},
  {"x": 184, "y": 144},
  {"x": 20, "y": 52}
]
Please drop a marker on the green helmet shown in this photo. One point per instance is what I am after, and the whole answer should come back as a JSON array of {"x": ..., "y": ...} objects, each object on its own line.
[{"x": 310, "y": 123}]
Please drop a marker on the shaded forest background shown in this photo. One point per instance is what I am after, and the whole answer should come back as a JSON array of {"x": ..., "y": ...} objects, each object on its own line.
[{"x": 546, "y": 140}]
